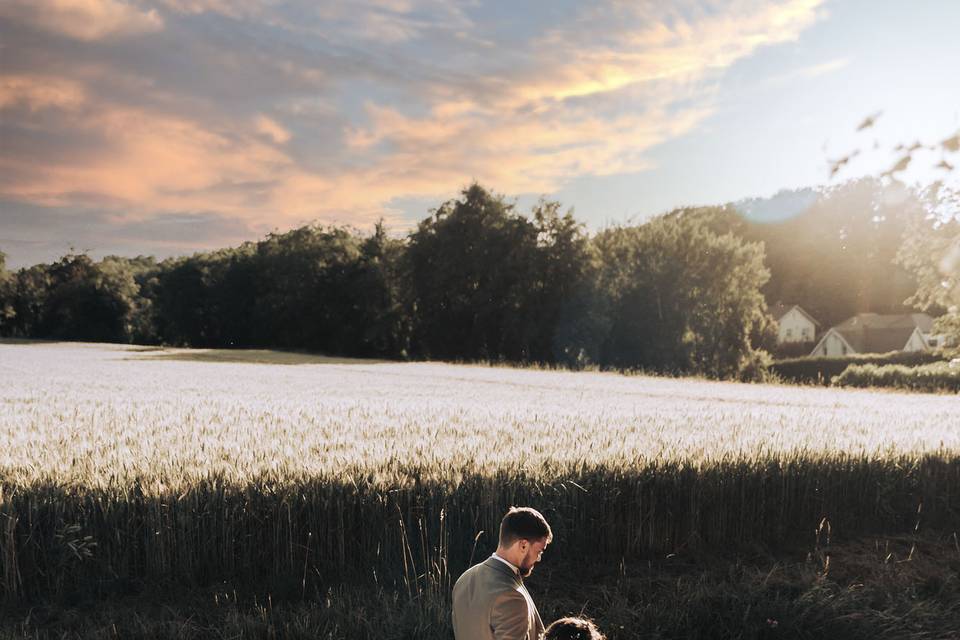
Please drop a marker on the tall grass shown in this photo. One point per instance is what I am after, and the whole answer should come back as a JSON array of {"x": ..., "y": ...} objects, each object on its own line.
[{"x": 121, "y": 472}]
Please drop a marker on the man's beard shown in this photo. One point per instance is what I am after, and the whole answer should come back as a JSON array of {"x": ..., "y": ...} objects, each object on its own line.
[{"x": 525, "y": 571}]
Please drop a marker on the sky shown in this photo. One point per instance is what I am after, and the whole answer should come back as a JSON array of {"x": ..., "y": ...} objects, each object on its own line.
[{"x": 173, "y": 126}]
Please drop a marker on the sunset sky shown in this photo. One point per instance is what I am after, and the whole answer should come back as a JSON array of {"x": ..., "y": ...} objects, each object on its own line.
[{"x": 173, "y": 126}]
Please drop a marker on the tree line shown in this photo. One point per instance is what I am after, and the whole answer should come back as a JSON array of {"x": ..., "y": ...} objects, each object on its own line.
[{"x": 685, "y": 292}]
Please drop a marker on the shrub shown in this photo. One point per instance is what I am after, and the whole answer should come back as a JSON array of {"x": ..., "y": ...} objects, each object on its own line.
[
  {"x": 822, "y": 369},
  {"x": 793, "y": 350},
  {"x": 940, "y": 376},
  {"x": 756, "y": 368}
]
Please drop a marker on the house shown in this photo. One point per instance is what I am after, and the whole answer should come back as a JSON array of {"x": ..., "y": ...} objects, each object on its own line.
[
  {"x": 876, "y": 333},
  {"x": 794, "y": 324}
]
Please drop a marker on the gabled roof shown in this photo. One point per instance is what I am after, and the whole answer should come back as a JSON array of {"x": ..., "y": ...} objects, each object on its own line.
[
  {"x": 877, "y": 333},
  {"x": 833, "y": 331},
  {"x": 780, "y": 309}
]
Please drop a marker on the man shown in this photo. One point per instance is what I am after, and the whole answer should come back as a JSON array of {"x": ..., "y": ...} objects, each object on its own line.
[{"x": 489, "y": 600}]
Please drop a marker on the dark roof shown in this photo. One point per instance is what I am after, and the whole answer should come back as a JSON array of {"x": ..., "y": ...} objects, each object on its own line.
[
  {"x": 876, "y": 333},
  {"x": 888, "y": 321},
  {"x": 923, "y": 321},
  {"x": 780, "y": 309}
]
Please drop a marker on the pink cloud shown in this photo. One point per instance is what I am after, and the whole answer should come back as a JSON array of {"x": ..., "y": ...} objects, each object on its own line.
[
  {"x": 83, "y": 19},
  {"x": 37, "y": 92},
  {"x": 568, "y": 106}
]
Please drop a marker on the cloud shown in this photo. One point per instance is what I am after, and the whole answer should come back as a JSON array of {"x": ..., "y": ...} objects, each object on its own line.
[
  {"x": 811, "y": 71},
  {"x": 82, "y": 19},
  {"x": 643, "y": 44},
  {"x": 133, "y": 159},
  {"x": 382, "y": 21},
  {"x": 26, "y": 239},
  {"x": 518, "y": 153},
  {"x": 575, "y": 109},
  {"x": 280, "y": 113},
  {"x": 272, "y": 129},
  {"x": 36, "y": 93},
  {"x": 824, "y": 68}
]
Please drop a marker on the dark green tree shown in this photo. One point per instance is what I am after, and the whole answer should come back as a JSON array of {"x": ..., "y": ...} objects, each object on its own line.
[
  {"x": 472, "y": 269},
  {"x": 30, "y": 288},
  {"x": 141, "y": 325},
  {"x": 681, "y": 298},
  {"x": 304, "y": 295},
  {"x": 381, "y": 290},
  {"x": 88, "y": 301},
  {"x": 186, "y": 296},
  {"x": 7, "y": 313},
  {"x": 317, "y": 288},
  {"x": 563, "y": 318}
]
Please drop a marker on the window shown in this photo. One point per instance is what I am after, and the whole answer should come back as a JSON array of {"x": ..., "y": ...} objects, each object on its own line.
[{"x": 789, "y": 333}]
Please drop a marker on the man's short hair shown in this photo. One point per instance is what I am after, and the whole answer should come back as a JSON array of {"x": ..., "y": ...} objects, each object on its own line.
[{"x": 523, "y": 523}]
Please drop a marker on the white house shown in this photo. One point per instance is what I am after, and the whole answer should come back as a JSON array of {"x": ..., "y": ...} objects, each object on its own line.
[
  {"x": 876, "y": 333},
  {"x": 794, "y": 324}
]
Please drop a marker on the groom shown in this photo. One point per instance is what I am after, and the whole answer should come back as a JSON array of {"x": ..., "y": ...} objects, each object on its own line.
[{"x": 490, "y": 601}]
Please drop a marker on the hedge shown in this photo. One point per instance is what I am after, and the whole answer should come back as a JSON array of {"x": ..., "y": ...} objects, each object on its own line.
[
  {"x": 940, "y": 376},
  {"x": 822, "y": 369}
]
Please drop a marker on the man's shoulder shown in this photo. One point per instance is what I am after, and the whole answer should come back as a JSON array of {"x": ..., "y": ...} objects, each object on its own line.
[
  {"x": 489, "y": 573},
  {"x": 477, "y": 570}
]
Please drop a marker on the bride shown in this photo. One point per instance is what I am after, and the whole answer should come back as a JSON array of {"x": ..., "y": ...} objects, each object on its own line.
[{"x": 573, "y": 629}]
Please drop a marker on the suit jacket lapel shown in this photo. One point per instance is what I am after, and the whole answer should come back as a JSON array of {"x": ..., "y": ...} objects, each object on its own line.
[{"x": 537, "y": 628}]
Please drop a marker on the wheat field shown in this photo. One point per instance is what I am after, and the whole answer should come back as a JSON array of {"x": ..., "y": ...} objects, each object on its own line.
[
  {"x": 96, "y": 415},
  {"x": 194, "y": 466}
]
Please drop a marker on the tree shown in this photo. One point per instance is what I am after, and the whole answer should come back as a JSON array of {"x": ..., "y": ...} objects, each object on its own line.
[
  {"x": 318, "y": 288},
  {"x": 830, "y": 250},
  {"x": 930, "y": 247},
  {"x": 30, "y": 288},
  {"x": 488, "y": 283},
  {"x": 140, "y": 325},
  {"x": 89, "y": 301},
  {"x": 563, "y": 276},
  {"x": 466, "y": 268},
  {"x": 381, "y": 292},
  {"x": 7, "y": 312},
  {"x": 836, "y": 259},
  {"x": 304, "y": 292},
  {"x": 931, "y": 251},
  {"x": 188, "y": 300},
  {"x": 681, "y": 298}
]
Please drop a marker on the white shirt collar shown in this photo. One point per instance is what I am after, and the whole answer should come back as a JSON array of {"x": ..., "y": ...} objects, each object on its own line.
[{"x": 513, "y": 567}]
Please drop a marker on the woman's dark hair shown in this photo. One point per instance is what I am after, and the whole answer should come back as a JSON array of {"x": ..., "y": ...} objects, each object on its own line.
[
  {"x": 523, "y": 523},
  {"x": 573, "y": 629}
]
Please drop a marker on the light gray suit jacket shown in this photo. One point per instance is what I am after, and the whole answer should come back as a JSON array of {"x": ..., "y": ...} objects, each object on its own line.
[{"x": 491, "y": 603}]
